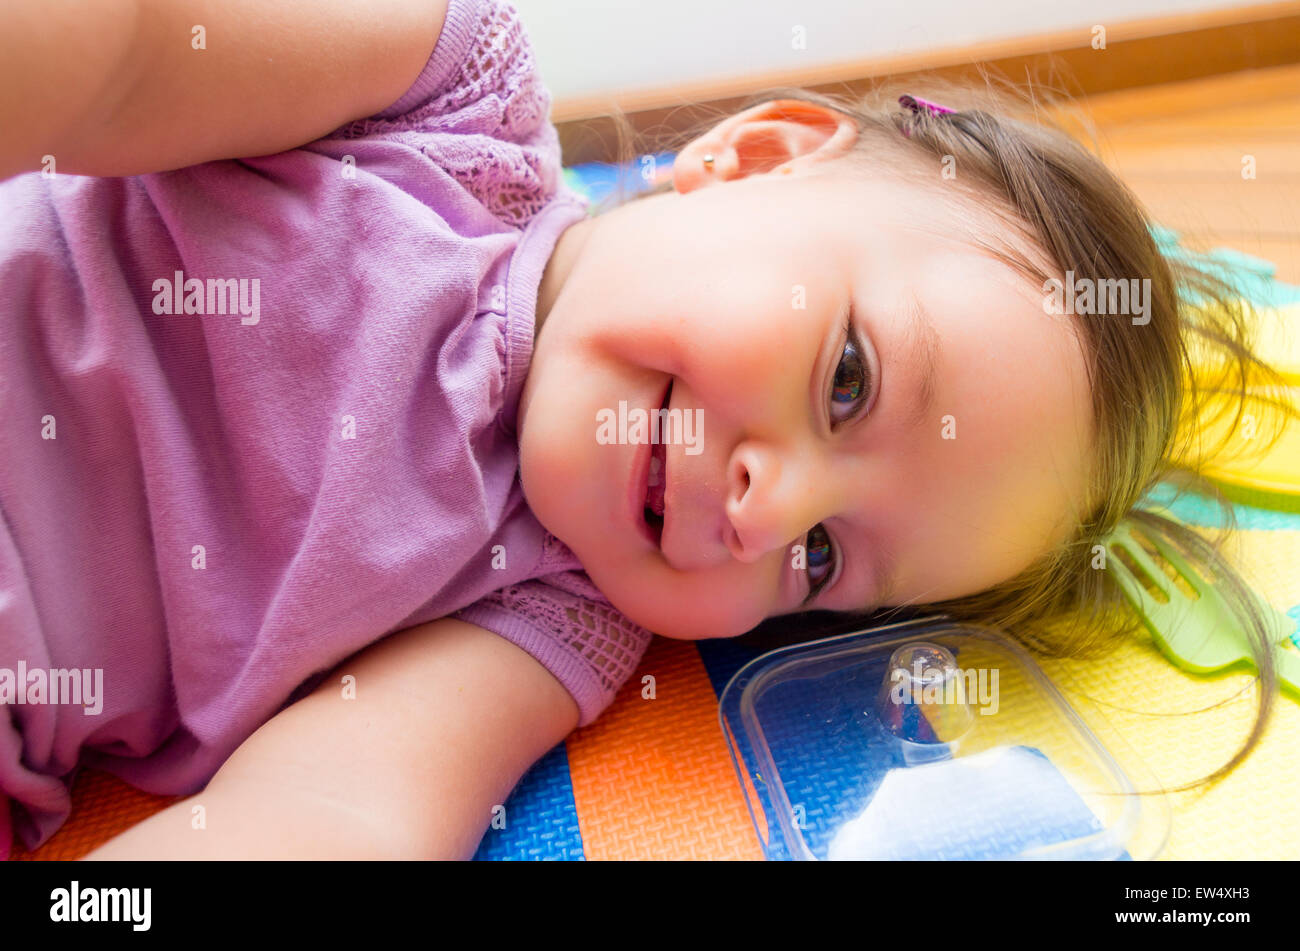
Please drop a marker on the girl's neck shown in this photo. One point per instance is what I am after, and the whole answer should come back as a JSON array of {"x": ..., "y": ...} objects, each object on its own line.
[{"x": 567, "y": 250}]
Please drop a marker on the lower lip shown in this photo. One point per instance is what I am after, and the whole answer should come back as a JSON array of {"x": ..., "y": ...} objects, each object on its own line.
[{"x": 636, "y": 492}]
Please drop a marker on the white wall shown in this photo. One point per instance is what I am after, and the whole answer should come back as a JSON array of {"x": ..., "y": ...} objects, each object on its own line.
[{"x": 593, "y": 46}]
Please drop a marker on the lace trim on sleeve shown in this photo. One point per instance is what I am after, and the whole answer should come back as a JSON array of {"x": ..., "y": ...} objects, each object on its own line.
[
  {"x": 556, "y": 557},
  {"x": 489, "y": 127},
  {"x": 563, "y": 622}
]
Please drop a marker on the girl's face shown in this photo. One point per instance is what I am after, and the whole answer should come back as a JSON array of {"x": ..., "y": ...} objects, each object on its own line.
[{"x": 876, "y": 411}]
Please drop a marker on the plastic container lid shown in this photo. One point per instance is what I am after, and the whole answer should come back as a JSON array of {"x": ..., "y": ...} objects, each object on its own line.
[{"x": 930, "y": 740}]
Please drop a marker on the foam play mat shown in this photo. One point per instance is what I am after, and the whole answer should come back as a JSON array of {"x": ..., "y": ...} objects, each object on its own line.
[{"x": 653, "y": 777}]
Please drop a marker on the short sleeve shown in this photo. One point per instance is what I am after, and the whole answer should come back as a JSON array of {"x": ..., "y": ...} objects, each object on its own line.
[
  {"x": 461, "y": 25},
  {"x": 564, "y": 623},
  {"x": 481, "y": 112}
]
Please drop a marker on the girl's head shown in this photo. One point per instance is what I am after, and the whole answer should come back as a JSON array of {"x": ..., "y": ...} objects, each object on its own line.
[
  {"x": 854, "y": 306},
  {"x": 961, "y": 447}
]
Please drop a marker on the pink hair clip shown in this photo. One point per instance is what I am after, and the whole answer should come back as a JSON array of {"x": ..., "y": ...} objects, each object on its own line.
[{"x": 918, "y": 106}]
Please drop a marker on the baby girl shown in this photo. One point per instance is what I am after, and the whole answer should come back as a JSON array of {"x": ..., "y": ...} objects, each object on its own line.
[{"x": 308, "y": 365}]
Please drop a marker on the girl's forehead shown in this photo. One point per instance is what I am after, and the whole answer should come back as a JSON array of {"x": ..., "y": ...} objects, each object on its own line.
[{"x": 865, "y": 199}]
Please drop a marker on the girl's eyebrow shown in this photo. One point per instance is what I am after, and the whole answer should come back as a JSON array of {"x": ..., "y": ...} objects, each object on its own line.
[
  {"x": 923, "y": 351},
  {"x": 885, "y": 576}
]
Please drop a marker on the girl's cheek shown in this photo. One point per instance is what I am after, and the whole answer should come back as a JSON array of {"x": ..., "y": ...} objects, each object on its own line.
[{"x": 723, "y": 603}]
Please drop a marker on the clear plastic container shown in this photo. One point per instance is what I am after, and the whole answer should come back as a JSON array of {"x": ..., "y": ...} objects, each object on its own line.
[{"x": 930, "y": 739}]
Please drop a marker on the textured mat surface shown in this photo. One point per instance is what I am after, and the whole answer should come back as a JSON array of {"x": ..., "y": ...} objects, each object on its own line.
[
  {"x": 102, "y": 806},
  {"x": 652, "y": 778}
]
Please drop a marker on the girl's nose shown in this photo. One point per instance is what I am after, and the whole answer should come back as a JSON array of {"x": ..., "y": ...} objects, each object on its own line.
[{"x": 772, "y": 499}]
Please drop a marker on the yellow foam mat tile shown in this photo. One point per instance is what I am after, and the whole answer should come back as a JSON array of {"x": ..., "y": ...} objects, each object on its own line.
[{"x": 1185, "y": 726}]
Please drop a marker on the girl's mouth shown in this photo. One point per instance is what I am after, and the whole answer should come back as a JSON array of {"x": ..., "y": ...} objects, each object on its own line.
[{"x": 657, "y": 479}]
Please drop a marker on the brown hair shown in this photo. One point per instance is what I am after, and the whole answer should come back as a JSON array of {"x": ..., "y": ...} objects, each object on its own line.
[{"x": 1157, "y": 388}]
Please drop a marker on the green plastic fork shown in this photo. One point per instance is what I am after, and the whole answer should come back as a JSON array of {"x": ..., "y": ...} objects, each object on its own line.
[{"x": 1197, "y": 634}]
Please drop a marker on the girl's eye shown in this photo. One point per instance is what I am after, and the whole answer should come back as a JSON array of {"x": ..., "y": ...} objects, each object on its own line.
[
  {"x": 821, "y": 560},
  {"x": 852, "y": 385}
]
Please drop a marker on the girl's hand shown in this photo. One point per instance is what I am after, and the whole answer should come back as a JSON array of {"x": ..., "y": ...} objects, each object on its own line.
[
  {"x": 137, "y": 86},
  {"x": 446, "y": 719}
]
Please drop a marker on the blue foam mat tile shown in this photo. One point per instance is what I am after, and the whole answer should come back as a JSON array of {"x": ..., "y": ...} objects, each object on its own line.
[
  {"x": 722, "y": 657},
  {"x": 541, "y": 818}
]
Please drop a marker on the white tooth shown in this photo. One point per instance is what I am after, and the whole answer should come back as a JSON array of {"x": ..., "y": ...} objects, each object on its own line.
[{"x": 654, "y": 471}]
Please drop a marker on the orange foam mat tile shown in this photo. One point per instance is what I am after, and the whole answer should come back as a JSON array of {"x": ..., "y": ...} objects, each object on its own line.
[
  {"x": 102, "y": 807},
  {"x": 652, "y": 778}
]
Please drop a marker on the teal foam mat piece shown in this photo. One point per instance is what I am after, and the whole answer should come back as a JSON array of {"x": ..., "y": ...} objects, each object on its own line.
[
  {"x": 1205, "y": 512},
  {"x": 1251, "y": 277}
]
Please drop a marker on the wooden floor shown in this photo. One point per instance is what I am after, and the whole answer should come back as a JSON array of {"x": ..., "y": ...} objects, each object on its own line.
[{"x": 1180, "y": 147}]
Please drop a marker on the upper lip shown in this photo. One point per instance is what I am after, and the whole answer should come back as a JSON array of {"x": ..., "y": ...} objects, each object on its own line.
[{"x": 663, "y": 475}]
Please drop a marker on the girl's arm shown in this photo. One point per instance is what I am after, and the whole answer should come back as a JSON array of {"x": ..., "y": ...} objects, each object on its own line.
[
  {"x": 447, "y": 718},
  {"x": 123, "y": 87}
]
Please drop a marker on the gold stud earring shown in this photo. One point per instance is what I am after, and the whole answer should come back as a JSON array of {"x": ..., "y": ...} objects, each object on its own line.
[{"x": 708, "y": 162}]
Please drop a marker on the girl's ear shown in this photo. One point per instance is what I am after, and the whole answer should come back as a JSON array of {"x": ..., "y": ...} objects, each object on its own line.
[{"x": 779, "y": 136}]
